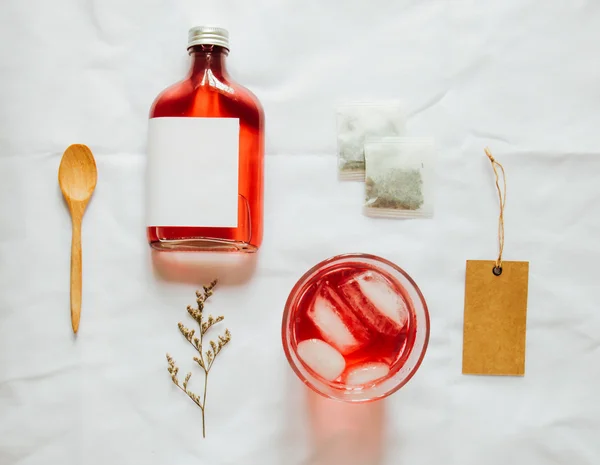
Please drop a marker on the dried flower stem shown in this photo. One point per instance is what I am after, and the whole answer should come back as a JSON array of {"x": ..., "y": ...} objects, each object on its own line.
[{"x": 205, "y": 359}]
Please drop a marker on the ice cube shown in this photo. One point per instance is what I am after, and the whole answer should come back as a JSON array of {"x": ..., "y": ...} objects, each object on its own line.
[
  {"x": 374, "y": 298},
  {"x": 323, "y": 359},
  {"x": 337, "y": 324},
  {"x": 366, "y": 373}
]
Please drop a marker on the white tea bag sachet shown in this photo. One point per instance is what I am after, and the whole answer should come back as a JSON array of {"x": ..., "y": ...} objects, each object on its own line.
[
  {"x": 399, "y": 177},
  {"x": 359, "y": 121}
]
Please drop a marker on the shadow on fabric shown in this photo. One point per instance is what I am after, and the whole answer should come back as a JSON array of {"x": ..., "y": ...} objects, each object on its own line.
[
  {"x": 202, "y": 268},
  {"x": 345, "y": 433}
]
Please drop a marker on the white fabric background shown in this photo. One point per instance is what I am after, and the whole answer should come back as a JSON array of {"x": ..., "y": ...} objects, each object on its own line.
[{"x": 521, "y": 76}]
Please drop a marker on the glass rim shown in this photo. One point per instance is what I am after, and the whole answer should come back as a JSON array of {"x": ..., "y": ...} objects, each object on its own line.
[{"x": 292, "y": 297}]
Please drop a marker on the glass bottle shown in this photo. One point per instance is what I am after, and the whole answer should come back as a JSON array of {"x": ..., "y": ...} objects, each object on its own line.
[{"x": 205, "y": 157}]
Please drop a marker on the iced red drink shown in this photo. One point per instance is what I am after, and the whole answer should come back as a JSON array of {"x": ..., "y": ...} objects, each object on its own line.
[{"x": 355, "y": 328}]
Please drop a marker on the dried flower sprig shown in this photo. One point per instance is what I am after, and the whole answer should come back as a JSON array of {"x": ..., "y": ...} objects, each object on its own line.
[{"x": 205, "y": 360}]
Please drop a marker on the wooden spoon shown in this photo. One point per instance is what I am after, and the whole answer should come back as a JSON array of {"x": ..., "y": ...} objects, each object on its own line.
[{"x": 77, "y": 177}]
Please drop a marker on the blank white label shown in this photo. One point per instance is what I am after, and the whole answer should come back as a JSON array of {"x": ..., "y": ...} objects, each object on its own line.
[{"x": 192, "y": 172}]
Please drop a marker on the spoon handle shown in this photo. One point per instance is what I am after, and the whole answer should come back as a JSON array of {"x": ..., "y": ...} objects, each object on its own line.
[{"x": 76, "y": 274}]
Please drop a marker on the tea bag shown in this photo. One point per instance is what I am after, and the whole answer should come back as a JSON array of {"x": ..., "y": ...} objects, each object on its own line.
[
  {"x": 399, "y": 177},
  {"x": 359, "y": 121}
]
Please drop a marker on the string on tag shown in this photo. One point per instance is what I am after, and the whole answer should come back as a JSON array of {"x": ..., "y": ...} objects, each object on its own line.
[{"x": 502, "y": 198}]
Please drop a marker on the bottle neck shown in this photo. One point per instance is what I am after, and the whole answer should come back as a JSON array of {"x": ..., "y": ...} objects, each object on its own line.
[{"x": 208, "y": 59}]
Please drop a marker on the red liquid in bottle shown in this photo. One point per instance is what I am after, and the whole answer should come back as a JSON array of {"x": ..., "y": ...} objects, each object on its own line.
[
  {"x": 379, "y": 337},
  {"x": 209, "y": 92}
]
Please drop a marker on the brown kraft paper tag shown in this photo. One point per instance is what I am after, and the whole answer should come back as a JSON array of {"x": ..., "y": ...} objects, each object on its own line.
[{"x": 495, "y": 318}]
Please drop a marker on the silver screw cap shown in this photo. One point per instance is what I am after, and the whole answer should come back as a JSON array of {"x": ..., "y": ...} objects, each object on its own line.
[{"x": 208, "y": 35}]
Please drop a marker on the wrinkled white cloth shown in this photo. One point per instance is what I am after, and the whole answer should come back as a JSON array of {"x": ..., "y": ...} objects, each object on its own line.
[{"x": 521, "y": 76}]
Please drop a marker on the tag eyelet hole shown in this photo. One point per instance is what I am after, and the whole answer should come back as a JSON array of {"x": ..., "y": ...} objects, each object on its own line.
[{"x": 497, "y": 270}]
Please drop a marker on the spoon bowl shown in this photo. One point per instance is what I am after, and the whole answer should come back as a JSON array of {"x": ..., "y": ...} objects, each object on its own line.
[{"x": 77, "y": 174}]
